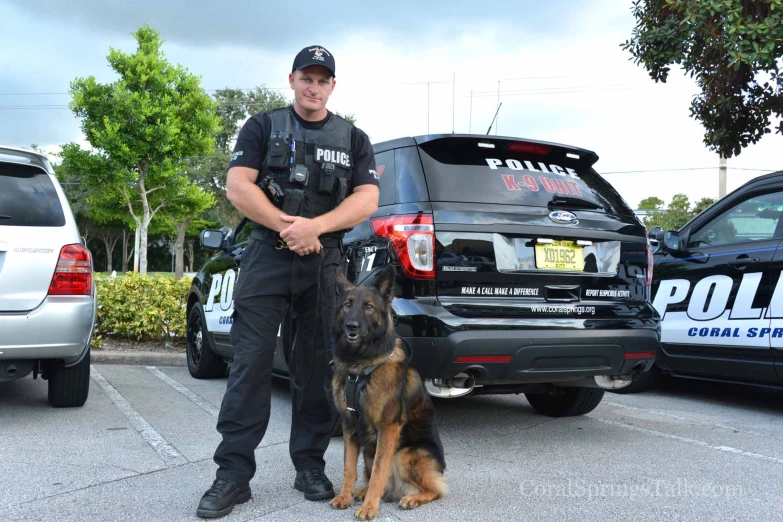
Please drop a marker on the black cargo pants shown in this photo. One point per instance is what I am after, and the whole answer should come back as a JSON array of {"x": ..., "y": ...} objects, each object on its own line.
[{"x": 269, "y": 280}]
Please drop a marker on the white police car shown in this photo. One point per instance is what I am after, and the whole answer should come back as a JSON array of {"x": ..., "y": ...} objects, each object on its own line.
[{"x": 717, "y": 285}]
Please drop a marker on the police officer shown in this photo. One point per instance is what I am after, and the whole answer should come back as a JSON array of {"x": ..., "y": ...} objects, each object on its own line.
[{"x": 303, "y": 175}]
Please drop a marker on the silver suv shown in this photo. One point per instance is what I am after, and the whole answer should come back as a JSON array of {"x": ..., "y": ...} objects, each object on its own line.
[{"x": 47, "y": 290}]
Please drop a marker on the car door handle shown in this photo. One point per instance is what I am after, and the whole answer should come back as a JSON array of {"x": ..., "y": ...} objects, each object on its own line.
[{"x": 742, "y": 262}]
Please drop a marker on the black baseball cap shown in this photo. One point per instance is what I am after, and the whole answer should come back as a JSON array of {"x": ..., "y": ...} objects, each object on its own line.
[{"x": 314, "y": 55}]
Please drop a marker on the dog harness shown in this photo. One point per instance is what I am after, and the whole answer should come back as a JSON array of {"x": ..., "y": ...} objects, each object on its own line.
[{"x": 354, "y": 384}]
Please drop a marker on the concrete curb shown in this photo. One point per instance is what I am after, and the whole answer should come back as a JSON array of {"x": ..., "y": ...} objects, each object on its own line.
[{"x": 138, "y": 358}]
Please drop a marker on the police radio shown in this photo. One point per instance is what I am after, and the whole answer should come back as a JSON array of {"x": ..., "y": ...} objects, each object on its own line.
[
  {"x": 300, "y": 174},
  {"x": 279, "y": 154}
]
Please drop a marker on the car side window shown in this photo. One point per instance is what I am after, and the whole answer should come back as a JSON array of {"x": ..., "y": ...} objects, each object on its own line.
[
  {"x": 753, "y": 219},
  {"x": 384, "y": 166}
]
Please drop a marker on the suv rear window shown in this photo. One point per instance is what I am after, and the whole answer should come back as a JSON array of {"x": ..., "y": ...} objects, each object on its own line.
[
  {"x": 515, "y": 173},
  {"x": 28, "y": 198}
]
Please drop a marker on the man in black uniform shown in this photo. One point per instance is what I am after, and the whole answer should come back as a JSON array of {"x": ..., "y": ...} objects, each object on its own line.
[{"x": 302, "y": 175}]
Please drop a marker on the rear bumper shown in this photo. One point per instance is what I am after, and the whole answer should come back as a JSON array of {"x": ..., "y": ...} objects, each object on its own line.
[
  {"x": 60, "y": 328},
  {"x": 525, "y": 351},
  {"x": 535, "y": 356}
]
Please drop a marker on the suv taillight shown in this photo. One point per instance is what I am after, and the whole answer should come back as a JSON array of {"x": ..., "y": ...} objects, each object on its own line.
[
  {"x": 413, "y": 239},
  {"x": 649, "y": 260},
  {"x": 73, "y": 275}
]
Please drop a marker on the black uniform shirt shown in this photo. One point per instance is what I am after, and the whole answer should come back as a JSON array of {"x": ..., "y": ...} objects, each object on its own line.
[{"x": 250, "y": 149}]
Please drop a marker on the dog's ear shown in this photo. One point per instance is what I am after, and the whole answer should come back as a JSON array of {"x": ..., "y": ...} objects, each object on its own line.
[
  {"x": 343, "y": 285},
  {"x": 384, "y": 283}
]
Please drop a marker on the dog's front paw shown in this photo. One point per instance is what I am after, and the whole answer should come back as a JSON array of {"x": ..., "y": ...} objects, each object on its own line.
[
  {"x": 409, "y": 502},
  {"x": 359, "y": 495},
  {"x": 341, "y": 502},
  {"x": 366, "y": 512}
]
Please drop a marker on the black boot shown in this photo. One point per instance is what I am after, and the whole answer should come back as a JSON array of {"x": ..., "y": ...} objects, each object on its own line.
[
  {"x": 220, "y": 499},
  {"x": 315, "y": 484}
]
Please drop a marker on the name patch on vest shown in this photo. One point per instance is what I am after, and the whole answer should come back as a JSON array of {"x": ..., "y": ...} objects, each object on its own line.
[{"x": 333, "y": 156}]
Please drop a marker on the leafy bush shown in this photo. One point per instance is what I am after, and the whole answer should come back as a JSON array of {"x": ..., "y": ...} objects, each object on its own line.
[{"x": 141, "y": 308}]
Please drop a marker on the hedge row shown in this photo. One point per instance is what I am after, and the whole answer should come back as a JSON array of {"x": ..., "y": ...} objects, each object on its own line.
[{"x": 141, "y": 308}]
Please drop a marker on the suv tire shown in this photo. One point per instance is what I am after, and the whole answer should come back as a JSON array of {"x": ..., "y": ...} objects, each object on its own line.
[
  {"x": 566, "y": 402},
  {"x": 203, "y": 362},
  {"x": 69, "y": 387}
]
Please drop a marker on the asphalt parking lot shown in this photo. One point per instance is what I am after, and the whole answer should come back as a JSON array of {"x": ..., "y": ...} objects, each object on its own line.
[{"x": 141, "y": 449}]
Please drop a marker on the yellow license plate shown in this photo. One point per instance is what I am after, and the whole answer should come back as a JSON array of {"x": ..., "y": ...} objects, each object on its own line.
[{"x": 560, "y": 255}]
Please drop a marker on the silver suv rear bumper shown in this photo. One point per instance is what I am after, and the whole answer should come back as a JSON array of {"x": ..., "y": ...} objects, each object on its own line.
[{"x": 59, "y": 328}]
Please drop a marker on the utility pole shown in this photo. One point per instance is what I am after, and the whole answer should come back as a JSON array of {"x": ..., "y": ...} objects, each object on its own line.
[{"x": 722, "y": 178}]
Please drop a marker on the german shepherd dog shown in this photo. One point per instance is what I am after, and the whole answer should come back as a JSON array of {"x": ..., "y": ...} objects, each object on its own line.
[{"x": 391, "y": 416}]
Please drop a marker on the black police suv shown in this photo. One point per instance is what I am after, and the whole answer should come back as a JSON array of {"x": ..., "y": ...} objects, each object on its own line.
[
  {"x": 519, "y": 270},
  {"x": 719, "y": 291}
]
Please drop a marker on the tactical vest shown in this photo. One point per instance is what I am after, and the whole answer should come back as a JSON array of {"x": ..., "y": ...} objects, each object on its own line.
[{"x": 313, "y": 167}]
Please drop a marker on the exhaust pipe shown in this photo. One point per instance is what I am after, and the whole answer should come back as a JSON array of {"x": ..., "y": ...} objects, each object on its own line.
[
  {"x": 613, "y": 382},
  {"x": 11, "y": 370},
  {"x": 458, "y": 386}
]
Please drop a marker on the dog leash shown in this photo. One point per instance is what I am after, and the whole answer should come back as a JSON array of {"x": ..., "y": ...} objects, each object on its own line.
[{"x": 316, "y": 316}]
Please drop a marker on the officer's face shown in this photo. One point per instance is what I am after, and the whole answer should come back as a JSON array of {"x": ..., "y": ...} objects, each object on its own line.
[{"x": 312, "y": 87}]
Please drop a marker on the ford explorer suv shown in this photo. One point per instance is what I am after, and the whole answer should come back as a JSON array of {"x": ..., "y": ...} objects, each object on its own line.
[
  {"x": 719, "y": 291},
  {"x": 519, "y": 270},
  {"x": 47, "y": 290}
]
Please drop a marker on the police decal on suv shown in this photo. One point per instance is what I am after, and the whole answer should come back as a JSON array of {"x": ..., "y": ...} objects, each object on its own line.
[
  {"x": 710, "y": 317},
  {"x": 219, "y": 307}
]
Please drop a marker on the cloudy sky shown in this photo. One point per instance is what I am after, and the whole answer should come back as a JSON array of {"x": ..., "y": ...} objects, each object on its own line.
[{"x": 561, "y": 72}]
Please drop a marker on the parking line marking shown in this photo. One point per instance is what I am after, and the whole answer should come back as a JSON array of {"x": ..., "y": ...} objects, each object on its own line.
[
  {"x": 691, "y": 421},
  {"x": 161, "y": 446},
  {"x": 192, "y": 397},
  {"x": 694, "y": 442}
]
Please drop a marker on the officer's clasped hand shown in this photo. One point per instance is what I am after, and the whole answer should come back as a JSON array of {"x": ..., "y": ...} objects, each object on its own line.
[{"x": 301, "y": 235}]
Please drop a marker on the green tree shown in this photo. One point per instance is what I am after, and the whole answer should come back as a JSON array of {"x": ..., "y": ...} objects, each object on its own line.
[
  {"x": 677, "y": 214},
  {"x": 651, "y": 203},
  {"x": 231, "y": 109},
  {"x": 96, "y": 217},
  {"x": 209, "y": 173},
  {"x": 190, "y": 201},
  {"x": 141, "y": 128},
  {"x": 701, "y": 205},
  {"x": 732, "y": 48}
]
